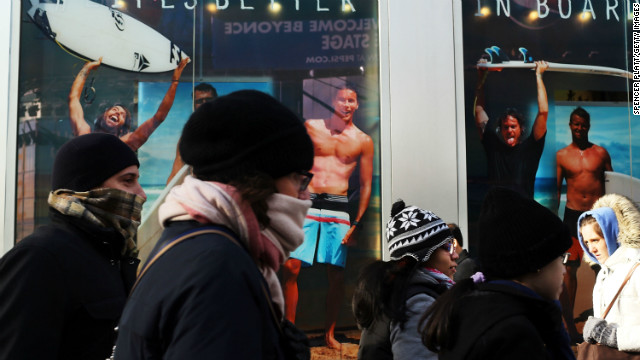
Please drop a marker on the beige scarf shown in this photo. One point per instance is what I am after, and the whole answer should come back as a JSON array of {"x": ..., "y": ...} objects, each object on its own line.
[{"x": 105, "y": 208}]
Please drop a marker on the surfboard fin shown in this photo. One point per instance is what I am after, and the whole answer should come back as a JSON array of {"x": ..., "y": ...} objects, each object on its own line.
[
  {"x": 525, "y": 55},
  {"x": 41, "y": 20},
  {"x": 496, "y": 55},
  {"x": 501, "y": 54},
  {"x": 493, "y": 56}
]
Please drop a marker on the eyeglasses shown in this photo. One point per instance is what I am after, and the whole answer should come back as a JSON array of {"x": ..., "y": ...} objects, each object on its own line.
[
  {"x": 204, "y": 100},
  {"x": 305, "y": 179},
  {"x": 449, "y": 246},
  {"x": 565, "y": 258}
]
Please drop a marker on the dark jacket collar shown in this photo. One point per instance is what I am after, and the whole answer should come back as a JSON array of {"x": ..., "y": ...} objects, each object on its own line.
[{"x": 106, "y": 240}]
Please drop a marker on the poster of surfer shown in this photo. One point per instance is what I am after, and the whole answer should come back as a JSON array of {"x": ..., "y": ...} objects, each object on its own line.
[
  {"x": 121, "y": 59},
  {"x": 547, "y": 110}
]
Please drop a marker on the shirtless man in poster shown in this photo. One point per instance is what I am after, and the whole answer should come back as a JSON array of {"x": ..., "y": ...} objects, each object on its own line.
[
  {"x": 116, "y": 120},
  {"x": 338, "y": 146},
  {"x": 582, "y": 164}
]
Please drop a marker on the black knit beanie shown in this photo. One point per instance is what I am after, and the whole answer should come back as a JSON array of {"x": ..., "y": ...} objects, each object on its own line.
[
  {"x": 245, "y": 132},
  {"x": 85, "y": 162},
  {"x": 518, "y": 235},
  {"x": 415, "y": 232}
]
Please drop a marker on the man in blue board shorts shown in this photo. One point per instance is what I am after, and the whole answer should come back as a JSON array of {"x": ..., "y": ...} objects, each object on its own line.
[
  {"x": 339, "y": 147},
  {"x": 326, "y": 225}
]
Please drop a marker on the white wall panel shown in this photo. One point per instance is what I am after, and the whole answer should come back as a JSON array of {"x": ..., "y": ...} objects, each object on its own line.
[{"x": 422, "y": 120}]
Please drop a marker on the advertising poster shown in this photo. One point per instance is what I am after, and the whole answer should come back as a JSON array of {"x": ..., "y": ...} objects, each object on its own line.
[
  {"x": 84, "y": 63},
  {"x": 587, "y": 46}
]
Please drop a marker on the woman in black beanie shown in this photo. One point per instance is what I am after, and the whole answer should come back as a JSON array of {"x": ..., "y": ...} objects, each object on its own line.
[
  {"x": 511, "y": 310},
  {"x": 209, "y": 289}
]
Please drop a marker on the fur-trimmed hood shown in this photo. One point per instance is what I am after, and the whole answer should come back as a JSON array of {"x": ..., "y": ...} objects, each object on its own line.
[{"x": 628, "y": 216}]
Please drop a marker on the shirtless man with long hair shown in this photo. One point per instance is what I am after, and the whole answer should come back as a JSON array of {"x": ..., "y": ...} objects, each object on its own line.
[{"x": 116, "y": 120}]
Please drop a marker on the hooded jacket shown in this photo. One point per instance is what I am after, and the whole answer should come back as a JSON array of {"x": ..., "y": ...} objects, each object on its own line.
[{"x": 625, "y": 312}]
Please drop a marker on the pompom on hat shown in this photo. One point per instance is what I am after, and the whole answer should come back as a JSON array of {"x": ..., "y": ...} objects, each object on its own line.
[
  {"x": 85, "y": 162},
  {"x": 517, "y": 235},
  {"x": 245, "y": 132},
  {"x": 414, "y": 232}
]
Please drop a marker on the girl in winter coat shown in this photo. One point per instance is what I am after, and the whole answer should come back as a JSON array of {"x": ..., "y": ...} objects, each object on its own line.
[
  {"x": 610, "y": 235},
  {"x": 390, "y": 297}
]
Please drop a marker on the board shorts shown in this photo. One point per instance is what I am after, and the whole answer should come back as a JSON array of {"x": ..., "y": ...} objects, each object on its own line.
[
  {"x": 325, "y": 226},
  {"x": 571, "y": 220}
]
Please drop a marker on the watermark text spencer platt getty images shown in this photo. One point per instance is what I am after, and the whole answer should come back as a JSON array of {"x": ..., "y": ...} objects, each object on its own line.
[{"x": 636, "y": 58}]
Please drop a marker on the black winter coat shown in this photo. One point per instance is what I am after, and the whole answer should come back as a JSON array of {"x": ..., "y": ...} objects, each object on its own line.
[
  {"x": 202, "y": 299},
  {"x": 500, "y": 321},
  {"x": 62, "y": 290}
]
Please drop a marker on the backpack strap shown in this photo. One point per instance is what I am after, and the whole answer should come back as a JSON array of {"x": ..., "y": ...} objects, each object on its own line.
[
  {"x": 170, "y": 243},
  {"x": 624, "y": 282}
]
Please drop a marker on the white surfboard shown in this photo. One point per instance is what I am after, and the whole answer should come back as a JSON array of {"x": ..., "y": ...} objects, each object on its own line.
[
  {"x": 623, "y": 184},
  {"x": 150, "y": 229},
  {"x": 560, "y": 67},
  {"x": 93, "y": 30}
]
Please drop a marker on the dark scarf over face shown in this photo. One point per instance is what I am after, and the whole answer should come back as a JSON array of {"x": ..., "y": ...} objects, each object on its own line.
[{"x": 105, "y": 208}]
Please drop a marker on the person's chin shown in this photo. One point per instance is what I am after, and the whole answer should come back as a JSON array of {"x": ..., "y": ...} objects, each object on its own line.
[{"x": 452, "y": 271}]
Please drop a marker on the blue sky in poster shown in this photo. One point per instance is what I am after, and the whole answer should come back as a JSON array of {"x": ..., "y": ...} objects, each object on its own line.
[
  {"x": 609, "y": 129},
  {"x": 157, "y": 154}
]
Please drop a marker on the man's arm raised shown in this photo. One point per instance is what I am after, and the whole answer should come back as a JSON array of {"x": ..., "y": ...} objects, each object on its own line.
[
  {"x": 137, "y": 138},
  {"x": 79, "y": 125},
  {"x": 479, "y": 111},
  {"x": 540, "y": 124},
  {"x": 366, "y": 178}
]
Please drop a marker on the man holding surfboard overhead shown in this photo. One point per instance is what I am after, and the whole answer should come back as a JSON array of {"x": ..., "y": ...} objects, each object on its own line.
[
  {"x": 512, "y": 157},
  {"x": 116, "y": 120},
  {"x": 339, "y": 147},
  {"x": 582, "y": 164}
]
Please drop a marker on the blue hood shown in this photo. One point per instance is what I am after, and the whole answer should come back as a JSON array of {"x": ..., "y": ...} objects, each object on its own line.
[{"x": 606, "y": 218}]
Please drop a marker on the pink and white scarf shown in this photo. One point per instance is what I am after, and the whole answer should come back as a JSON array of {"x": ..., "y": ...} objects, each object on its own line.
[{"x": 215, "y": 203}]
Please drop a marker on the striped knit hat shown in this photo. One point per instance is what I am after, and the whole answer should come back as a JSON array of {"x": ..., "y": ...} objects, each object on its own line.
[{"x": 415, "y": 232}]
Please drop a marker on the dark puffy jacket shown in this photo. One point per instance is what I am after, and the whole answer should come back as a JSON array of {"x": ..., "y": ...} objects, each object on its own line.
[
  {"x": 202, "y": 299},
  {"x": 502, "y": 321},
  {"x": 62, "y": 290}
]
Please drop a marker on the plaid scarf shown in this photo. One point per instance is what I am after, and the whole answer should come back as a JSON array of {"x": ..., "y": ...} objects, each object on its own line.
[{"x": 105, "y": 208}]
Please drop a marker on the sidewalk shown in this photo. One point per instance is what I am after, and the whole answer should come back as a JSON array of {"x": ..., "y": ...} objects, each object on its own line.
[{"x": 348, "y": 338}]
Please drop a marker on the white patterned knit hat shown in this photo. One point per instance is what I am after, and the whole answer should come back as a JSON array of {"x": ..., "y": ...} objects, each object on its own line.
[{"x": 415, "y": 232}]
